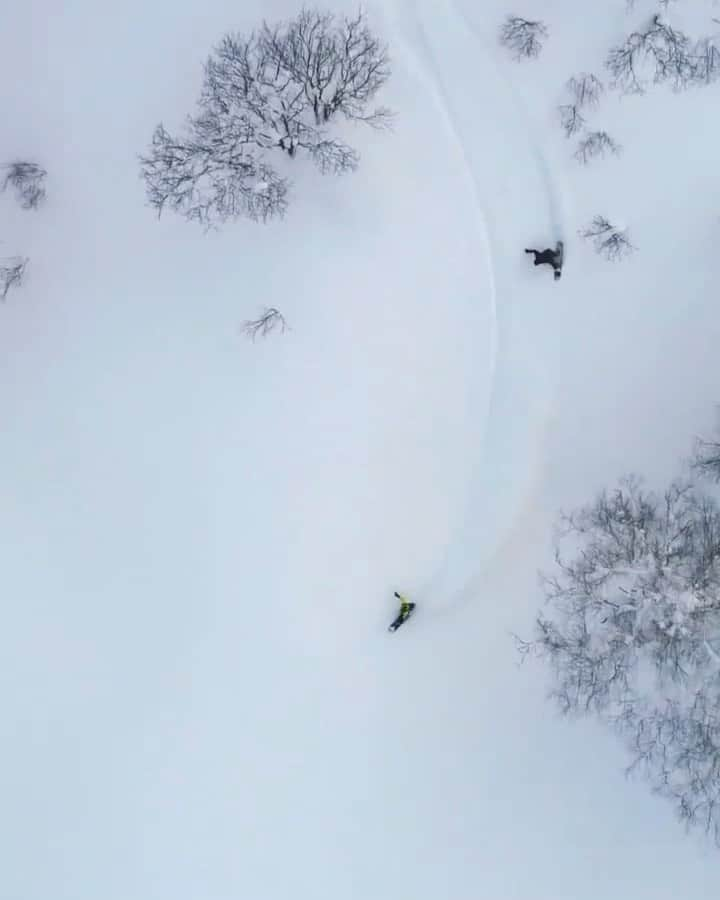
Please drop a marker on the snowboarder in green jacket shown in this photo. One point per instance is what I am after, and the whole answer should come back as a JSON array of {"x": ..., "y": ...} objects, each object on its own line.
[{"x": 406, "y": 610}]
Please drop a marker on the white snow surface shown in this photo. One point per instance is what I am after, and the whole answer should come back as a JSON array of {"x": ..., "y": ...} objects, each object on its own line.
[{"x": 201, "y": 535}]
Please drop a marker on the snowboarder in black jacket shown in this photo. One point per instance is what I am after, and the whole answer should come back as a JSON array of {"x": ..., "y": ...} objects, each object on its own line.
[{"x": 548, "y": 257}]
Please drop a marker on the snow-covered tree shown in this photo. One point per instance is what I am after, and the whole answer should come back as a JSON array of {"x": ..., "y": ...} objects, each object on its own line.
[
  {"x": 278, "y": 90},
  {"x": 631, "y": 632}
]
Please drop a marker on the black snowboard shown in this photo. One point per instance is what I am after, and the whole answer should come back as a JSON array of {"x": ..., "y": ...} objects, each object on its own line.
[{"x": 401, "y": 618}]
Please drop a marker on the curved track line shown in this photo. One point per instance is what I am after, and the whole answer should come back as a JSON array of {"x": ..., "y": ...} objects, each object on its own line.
[
  {"x": 557, "y": 196},
  {"x": 505, "y": 386},
  {"x": 434, "y": 88}
]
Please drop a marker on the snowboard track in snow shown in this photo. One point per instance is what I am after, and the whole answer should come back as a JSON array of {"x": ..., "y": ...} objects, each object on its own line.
[
  {"x": 557, "y": 198},
  {"x": 472, "y": 549}
]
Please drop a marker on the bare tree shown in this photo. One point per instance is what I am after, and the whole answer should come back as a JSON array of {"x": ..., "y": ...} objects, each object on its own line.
[
  {"x": 677, "y": 748},
  {"x": 12, "y": 270},
  {"x": 288, "y": 82},
  {"x": 570, "y": 118},
  {"x": 624, "y": 63},
  {"x": 706, "y": 61},
  {"x": 668, "y": 52},
  {"x": 585, "y": 89},
  {"x": 269, "y": 320},
  {"x": 28, "y": 181},
  {"x": 596, "y": 143},
  {"x": 339, "y": 66},
  {"x": 631, "y": 630},
  {"x": 705, "y": 459},
  {"x": 672, "y": 54},
  {"x": 277, "y": 90},
  {"x": 523, "y": 37},
  {"x": 609, "y": 241}
]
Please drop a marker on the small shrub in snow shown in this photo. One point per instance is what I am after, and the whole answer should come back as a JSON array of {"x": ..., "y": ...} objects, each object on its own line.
[
  {"x": 596, "y": 143},
  {"x": 12, "y": 271},
  {"x": 524, "y": 38},
  {"x": 269, "y": 320},
  {"x": 28, "y": 181},
  {"x": 278, "y": 90},
  {"x": 609, "y": 241},
  {"x": 631, "y": 633}
]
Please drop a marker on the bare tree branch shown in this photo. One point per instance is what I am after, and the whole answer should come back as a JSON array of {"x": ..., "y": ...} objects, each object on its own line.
[{"x": 269, "y": 320}]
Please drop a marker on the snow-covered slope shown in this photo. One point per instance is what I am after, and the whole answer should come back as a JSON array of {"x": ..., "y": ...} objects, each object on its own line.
[{"x": 201, "y": 536}]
